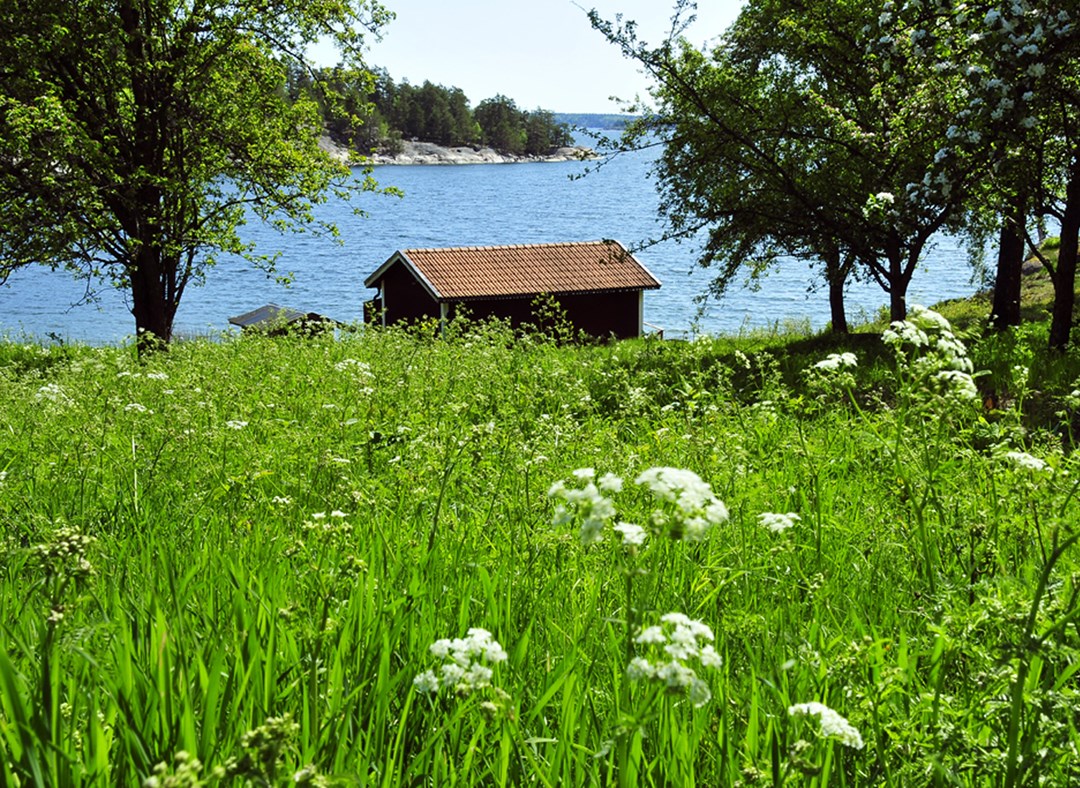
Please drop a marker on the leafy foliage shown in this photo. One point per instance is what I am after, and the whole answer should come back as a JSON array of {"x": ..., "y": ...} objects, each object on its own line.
[
  {"x": 136, "y": 138},
  {"x": 847, "y": 133}
]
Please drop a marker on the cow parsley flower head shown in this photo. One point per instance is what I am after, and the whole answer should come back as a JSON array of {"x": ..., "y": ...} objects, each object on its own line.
[
  {"x": 586, "y": 503},
  {"x": 939, "y": 361},
  {"x": 928, "y": 319},
  {"x": 466, "y": 663},
  {"x": 674, "y": 644},
  {"x": 833, "y": 726},
  {"x": 688, "y": 506},
  {"x": 54, "y": 393},
  {"x": 778, "y": 523},
  {"x": 956, "y": 385},
  {"x": 632, "y": 535},
  {"x": 1027, "y": 462},
  {"x": 836, "y": 361},
  {"x": 610, "y": 483},
  {"x": 904, "y": 332}
]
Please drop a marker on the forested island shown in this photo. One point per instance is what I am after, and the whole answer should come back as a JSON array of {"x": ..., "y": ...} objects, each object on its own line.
[{"x": 371, "y": 113}]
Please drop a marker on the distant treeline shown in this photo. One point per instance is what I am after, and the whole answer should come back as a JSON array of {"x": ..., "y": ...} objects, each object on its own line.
[{"x": 372, "y": 112}]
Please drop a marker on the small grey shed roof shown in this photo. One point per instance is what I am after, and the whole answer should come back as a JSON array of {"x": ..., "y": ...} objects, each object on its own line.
[{"x": 270, "y": 315}]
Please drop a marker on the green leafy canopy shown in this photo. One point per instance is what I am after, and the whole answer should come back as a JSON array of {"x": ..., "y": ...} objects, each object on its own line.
[{"x": 136, "y": 136}]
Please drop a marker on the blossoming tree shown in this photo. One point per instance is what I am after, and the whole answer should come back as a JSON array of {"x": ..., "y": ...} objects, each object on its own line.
[{"x": 794, "y": 136}]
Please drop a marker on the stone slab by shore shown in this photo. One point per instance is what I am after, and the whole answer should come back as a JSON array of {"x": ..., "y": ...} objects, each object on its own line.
[{"x": 429, "y": 153}]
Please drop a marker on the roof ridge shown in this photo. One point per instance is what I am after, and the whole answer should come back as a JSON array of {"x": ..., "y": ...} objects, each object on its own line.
[{"x": 549, "y": 244}]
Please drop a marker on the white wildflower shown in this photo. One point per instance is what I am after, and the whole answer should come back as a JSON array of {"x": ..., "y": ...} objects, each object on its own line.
[
  {"x": 631, "y": 534},
  {"x": 610, "y": 483},
  {"x": 680, "y": 640},
  {"x": 653, "y": 634},
  {"x": 234, "y": 424},
  {"x": 957, "y": 384},
  {"x": 585, "y": 503},
  {"x": 426, "y": 682},
  {"x": 467, "y": 663},
  {"x": 691, "y": 507},
  {"x": 53, "y": 392},
  {"x": 833, "y": 726},
  {"x": 639, "y": 669},
  {"x": 836, "y": 361},
  {"x": 1026, "y": 462},
  {"x": 778, "y": 523},
  {"x": 904, "y": 332}
]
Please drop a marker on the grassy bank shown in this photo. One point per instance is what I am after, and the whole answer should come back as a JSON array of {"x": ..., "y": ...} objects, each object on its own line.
[{"x": 231, "y": 564}]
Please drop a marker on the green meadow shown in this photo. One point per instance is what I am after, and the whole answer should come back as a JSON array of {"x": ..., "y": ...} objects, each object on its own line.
[{"x": 386, "y": 559}]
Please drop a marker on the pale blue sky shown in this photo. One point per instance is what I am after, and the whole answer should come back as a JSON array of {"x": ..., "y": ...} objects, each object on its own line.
[{"x": 541, "y": 53}]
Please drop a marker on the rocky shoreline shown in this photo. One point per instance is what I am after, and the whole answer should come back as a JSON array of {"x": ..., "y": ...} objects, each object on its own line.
[{"x": 414, "y": 152}]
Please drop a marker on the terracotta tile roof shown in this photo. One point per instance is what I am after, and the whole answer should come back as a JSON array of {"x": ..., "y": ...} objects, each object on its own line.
[{"x": 493, "y": 271}]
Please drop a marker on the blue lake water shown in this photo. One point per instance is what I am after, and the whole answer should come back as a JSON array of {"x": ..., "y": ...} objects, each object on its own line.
[{"x": 464, "y": 206}]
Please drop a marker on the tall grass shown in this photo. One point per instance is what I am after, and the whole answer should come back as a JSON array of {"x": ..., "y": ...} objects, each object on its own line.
[{"x": 228, "y": 565}]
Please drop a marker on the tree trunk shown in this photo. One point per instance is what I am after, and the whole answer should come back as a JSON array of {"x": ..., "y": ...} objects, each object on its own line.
[
  {"x": 836, "y": 307},
  {"x": 898, "y": 283},
  {"x": 836, "y": 276},
  {"x": 1065, "y": 278},
  {"x": 152, "y": 312},
  {"x": 1005, "y": 311}
]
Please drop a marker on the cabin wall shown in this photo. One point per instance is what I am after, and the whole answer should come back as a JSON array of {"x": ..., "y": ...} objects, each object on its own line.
[
  {"x": 597, "y": 314},
  {"x": 605, "y": 314},
  {"x": 404, "y": 298}
]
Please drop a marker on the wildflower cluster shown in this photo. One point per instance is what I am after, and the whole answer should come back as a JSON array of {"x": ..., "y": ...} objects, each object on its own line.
[
  {"x": 926, "y": 344},
  {"x": 334, "y": 523},
  {"x": 688, "y": 507},
  {"x": 263, "y": 747},
  {"x": 65, "y": 553},
  {"x": 836, "y": 361},
  {"x": 466, "y": 666},
  {"x": 359, "y": 371},
  {"x": 778, "y": 523},
  {"x": 53, "y": 393},
  {"x": 184, "y": 774},
  {"x": 587, "y": 503},
  {"x": 832, "y": 372},
  {"x": 679, "y": 640},
  {"x": 833, "y": 726},
  {"x": 1026, "y": 462}
]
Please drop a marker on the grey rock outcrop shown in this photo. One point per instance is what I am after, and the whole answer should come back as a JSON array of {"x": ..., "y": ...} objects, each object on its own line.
[{"x": 415, "y": 152}]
